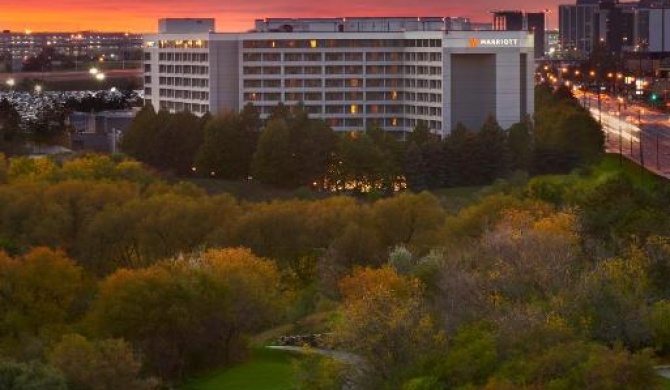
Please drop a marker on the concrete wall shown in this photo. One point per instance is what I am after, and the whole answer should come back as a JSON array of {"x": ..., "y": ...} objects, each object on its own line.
[
  {"x": 185, "y": 26},
  {"x": 659, "y": 30},
  {"x": 473, "y": 89},
  {"x": 224, "y": 75}
]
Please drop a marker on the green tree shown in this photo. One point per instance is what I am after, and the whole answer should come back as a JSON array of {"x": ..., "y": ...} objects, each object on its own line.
[
  {"x": 228, "y": 146},
  {"x": 30, "y": 376},
  {"x": 493, "y": 156},
  {"x": 140, "y": 138},
  {"x": 10, "y": 122},
  {"x": 293, "y": 150},
  {"x": 520, "y": 145}
]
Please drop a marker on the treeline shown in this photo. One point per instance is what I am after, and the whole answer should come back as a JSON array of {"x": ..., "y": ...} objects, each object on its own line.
[
  {"x": 292, "y": 150},
  {"x": 559, "y": 282}
]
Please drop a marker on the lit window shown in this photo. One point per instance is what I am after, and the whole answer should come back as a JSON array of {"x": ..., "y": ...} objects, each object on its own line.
[
  {"x": 394, "y": 96},
  {"x": 312, "y": 43},
  {"x": 353, "y": 109},
  {"x": 394, "y": 122}
]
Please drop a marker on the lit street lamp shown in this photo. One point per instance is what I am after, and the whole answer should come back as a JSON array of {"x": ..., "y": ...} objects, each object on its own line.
[
  {"x": 38, "y": 88},
  {"x": 93, "y": 71},
  {"x": 100, "y": 76},
  {"x": 11, "y": 83}
]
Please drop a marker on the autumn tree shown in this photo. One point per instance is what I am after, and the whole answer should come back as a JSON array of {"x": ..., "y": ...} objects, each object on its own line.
[
  {"x": 39, "y": 293},
  {"x": 98, "y": 365},
  {"x": 191, "y": 313},
  {"x": 384, "y": 320}
]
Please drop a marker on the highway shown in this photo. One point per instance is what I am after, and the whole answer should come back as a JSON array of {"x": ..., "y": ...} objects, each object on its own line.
[{"x": 633, "y": 125}]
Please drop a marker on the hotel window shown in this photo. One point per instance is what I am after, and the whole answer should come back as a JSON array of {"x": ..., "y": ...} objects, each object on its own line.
[
  {"x": 313, "y": 43},
  {"x": 293, "y": 57},
  {"x": 354, "y": 83},
  {"x": 335, "y": 83},
  {"x": 353, "y": 109},
  {"x": 313, "y": 83},
  {"x": 353, "y": 56},
  {"x": 271, "y": 57},
  {"x": 334, "y": 56},
  {"x": 272, "y": 83}
]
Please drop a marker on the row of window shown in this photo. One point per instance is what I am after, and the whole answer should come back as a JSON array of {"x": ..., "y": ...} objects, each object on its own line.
[
  {"x": 343, "y": 83},
  {"x": 350, "y": 109},
  {"x": 184, "y": 94},
  {"x": 337, "y": 43},
  {"x": 346, "y": 70},
  {"x": 183, "y": 57},
  {"x": 181, "y": 106},
  {"x": 184, "y": 82},
  {"x": 183, "y": 69},
  {"x": 179, "y": 44},
  {"x": 340, "y": 57}
]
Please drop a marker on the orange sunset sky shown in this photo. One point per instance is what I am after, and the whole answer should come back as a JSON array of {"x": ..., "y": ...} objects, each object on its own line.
[{"x": 231, "y": 15}]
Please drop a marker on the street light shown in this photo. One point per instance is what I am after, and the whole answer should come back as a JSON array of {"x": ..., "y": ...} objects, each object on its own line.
[
  {"x": 10, "y": 83},
  {"x": 38, "y": 88},
  {"x": 620, "y": 101},
  {"x": 93, "y": 71},
  {"x": 100, "y": 76}
]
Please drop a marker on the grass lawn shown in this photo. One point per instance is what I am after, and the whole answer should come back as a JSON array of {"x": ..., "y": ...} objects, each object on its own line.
[
  {"x": 266, "y": 370},
  {"x": 665, "y": 384},
  {"x": 641, "y": 178}
]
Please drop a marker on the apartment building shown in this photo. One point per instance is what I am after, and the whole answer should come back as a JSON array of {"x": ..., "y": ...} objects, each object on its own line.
[{"x": 352, "y": 72}]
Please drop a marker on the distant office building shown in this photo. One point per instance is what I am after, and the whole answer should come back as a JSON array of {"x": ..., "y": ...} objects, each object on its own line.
[
  {"x": 20, "y": 45},
  {"x": 508, "y": 21},
  {"x": 653, "y": 27},
  {"x": 351, "y": 72},
  {"x": 618, "y": 27},
  {"x": 552, "y": 42},
  {"x": 615, "y": 25},
  {"x": 519, "y": 21},
  {"x": 577, "y": 25}
]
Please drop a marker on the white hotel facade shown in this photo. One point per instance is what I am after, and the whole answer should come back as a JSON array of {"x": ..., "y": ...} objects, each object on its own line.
[{"x": 352, "y": 72}]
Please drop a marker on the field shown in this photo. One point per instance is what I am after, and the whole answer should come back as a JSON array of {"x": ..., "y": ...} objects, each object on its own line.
[{"x": 266, "y": 370}]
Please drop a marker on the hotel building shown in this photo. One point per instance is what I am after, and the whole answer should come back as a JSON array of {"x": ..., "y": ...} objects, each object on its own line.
[{"x": 352, "y": 72}]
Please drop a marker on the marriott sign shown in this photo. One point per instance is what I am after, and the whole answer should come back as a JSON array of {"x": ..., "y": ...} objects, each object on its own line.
[{"x": 494, "y": 42}]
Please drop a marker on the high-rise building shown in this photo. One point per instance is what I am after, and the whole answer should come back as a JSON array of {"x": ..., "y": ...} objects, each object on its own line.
[
  {"x": 504, "y": 20},
  {"x": 352, "y": 72},
  {"x": 577, "y": 26},
  {"x": 518, "y": 21},
  {"x": 617, "y": 27}
]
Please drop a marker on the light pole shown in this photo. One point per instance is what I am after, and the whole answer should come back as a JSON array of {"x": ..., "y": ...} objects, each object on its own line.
[
  {"x": 620, "y": 137},
  {"x": 641, "y": 136},
  {"x": 10, "y": 84}
]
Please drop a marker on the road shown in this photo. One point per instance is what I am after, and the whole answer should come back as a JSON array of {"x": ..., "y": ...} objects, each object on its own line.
[
  {"x": 69, "y": 75},
  {"x": 626, "y": 126}
]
